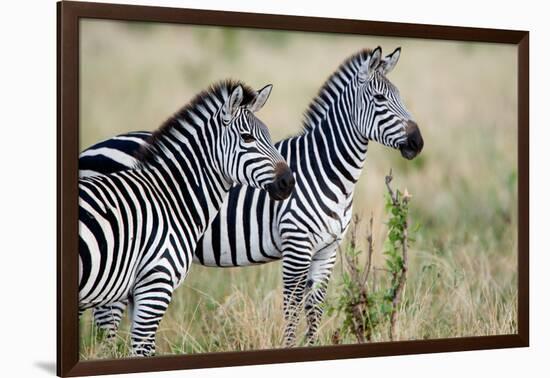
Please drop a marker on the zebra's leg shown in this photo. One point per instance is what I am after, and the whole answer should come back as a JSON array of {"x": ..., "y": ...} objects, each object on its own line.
[
  {"x": 150, "y": 301},
  {"x": 108, "y": 317},
  {"x": 319, "y": 275},
  {"x": 296, "y": 264}
]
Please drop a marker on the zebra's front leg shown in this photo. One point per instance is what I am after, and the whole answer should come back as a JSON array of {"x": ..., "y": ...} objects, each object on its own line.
[
  {"x": 296, "y": 264},
  {"x": 319, "y": 275},
  {"x": 108, "y": 317},
  {"x": 150, "y": 302}
]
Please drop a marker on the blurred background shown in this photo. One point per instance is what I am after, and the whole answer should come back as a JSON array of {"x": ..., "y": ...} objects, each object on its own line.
[{"x": 462, "y": 276}]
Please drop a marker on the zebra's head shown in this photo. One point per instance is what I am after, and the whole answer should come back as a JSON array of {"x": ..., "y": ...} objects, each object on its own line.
[
  {"x": 249, "y": 156},
  {"x": 379, "y": 111}
]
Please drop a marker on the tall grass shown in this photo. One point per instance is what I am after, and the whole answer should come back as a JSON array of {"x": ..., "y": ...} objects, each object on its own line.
[{"x": 462, "y": 278}]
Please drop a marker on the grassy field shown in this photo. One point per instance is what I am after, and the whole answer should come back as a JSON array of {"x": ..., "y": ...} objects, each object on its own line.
[{"x": 462, "y": 276}]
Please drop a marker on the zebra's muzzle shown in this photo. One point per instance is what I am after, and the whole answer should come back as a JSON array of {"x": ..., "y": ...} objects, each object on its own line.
[
  {"x": 283, "y": 185},
  {"x": 414, "y": 143}
]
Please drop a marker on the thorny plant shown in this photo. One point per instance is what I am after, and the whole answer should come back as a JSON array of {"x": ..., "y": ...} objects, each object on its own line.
[{"x": 364, "y": 303}]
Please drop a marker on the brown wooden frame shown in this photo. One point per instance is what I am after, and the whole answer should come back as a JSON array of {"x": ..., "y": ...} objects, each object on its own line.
[{"x": 68, "y": 15}]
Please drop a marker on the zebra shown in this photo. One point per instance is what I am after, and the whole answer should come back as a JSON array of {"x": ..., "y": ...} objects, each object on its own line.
[
  {"x": 138, "y": 227},
  {"x": 356, "y": 104}
]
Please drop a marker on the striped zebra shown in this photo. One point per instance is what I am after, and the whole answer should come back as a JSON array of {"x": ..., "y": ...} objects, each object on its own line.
[
  {"x": 138, "y": 227},
  {"x": 357, "y": 104}
]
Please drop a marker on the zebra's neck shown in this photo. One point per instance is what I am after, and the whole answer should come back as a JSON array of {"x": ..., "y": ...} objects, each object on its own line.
[
  {"x": 187, "y": 161},
  {"x": 333, "y": 145}
]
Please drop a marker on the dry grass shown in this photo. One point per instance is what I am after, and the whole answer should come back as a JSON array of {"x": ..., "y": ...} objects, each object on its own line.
[{"x": 462, "y": 277}]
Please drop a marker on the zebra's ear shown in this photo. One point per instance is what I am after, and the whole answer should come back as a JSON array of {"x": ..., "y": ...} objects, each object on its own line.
[
  {"x": 371, "y": 64},
  {"x": 261, "y": 97},
  {"x": 389, "y": 62},
  {"x": 233, "y": 103}
]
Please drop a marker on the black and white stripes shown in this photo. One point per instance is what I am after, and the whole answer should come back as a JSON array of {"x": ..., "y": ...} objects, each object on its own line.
[
  {"x": 357, "y": 104},
  {"x": 138, "y": 227},
  {"x": 113, "y": 155}
]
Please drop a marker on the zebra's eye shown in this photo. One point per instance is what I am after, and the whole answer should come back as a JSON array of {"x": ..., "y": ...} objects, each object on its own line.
[
  {"x": 379, "y": 97},
  {"x": 248, "y": 138}
]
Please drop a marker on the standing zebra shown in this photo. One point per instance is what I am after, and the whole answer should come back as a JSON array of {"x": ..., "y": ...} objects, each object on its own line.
[
  {"x": 139, "y": 227},
  {"x": 356, "y": 104}
]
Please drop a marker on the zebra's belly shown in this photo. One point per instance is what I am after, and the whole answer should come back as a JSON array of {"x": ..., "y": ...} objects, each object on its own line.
[
  {"x": 227, "y": 259},
  {"x": 107, "y": 265},
  {"x": 243, "y": 233},
  {"x": 105, "y": 282},
  {"x": 219, "y": 248},
  {"x": 104, "y": 277},
  {"x": 99, "y": 299}
]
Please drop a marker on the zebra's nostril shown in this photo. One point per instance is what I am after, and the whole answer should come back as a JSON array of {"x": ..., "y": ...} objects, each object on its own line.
[
  {"x": 414, "y": 137},
  {"x": 282, "y": 186},
  {"x": 286, "y": 181}
]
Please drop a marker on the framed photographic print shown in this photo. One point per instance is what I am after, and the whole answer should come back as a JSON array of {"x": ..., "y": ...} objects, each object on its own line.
[{"x": 234, "y": 185}]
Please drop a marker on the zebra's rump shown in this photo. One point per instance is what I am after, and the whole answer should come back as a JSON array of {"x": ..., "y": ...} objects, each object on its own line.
[{"x": 112, "y": 155}]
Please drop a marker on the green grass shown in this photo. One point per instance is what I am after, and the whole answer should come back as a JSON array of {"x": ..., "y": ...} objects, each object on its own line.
[{"x": 463, "y": 266}]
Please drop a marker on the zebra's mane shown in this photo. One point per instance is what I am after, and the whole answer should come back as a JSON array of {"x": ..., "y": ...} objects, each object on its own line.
[
  {"x": 216, "y": 93},
  {"x": 320, "y": 103}
]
